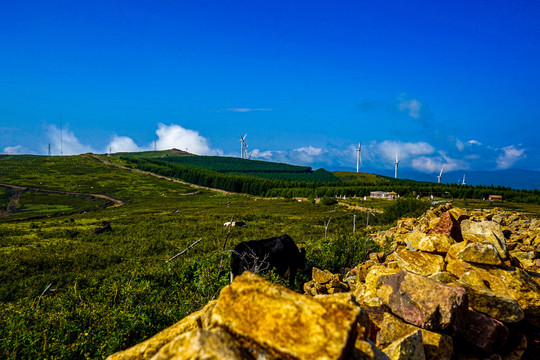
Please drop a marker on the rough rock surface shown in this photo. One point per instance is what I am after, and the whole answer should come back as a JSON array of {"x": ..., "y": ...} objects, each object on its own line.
[
  {"x": 277, "y": 319},
  {"x": 422, "y": 301},
  {"x": 203, "y": 344}
]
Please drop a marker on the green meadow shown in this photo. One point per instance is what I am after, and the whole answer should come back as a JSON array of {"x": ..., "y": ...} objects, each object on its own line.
[{"x": 69, "y": 293}]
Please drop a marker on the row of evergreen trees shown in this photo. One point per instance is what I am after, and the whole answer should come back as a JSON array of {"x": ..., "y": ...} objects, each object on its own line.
[{"x": 280, "y": 188}]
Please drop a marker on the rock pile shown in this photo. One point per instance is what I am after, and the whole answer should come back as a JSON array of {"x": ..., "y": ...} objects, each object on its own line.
[
  {"x": 470, "y": 277},
  {"x": 456, "y": 285}
]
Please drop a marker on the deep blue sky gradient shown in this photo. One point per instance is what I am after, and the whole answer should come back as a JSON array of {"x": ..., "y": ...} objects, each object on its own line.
[{"x": 306, "y": 80}]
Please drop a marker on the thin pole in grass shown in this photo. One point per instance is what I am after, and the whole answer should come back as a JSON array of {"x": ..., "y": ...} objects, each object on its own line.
[
  {"x": 326, "y": 223},
  {"x": 183, "y": 251},
  {"x": 43, "y": 293},
  {"x": 225, "y": 242},
  {"x": 354, "y": 224}
]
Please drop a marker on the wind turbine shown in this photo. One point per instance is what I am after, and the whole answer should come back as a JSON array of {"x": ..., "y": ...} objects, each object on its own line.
[
  {"x": 242, "y": 139},
  {"x": 396, "y": 165},
  {"x": 463, "y": 182},
  {"x": 358, "y": 156},
  {"x": 439, "y": 177}
]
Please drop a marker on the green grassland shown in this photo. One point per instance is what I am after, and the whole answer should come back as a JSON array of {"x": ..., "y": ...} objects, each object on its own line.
[{"x": 112, "y": 290}]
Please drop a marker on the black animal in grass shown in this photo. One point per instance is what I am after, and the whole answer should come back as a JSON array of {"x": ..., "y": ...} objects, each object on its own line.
[{"x": 278, "y": 253}]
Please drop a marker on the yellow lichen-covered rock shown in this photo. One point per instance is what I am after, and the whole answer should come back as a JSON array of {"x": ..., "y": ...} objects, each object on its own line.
[
  {"x": 481, "y": 253},
  {"x": 513, "y": 281},
  {"x": 489, "y": 231},
  {"x": 271, "y": 317},
  {"x": 458, "y": 214},
  {"x": 203, "y": 344},
  {"x": 369, "y": 292},
  {"x": 436, "y": 243},
  {"x": 149, "y": 347},
  {"x": 407, "y": 348},
  {"x": 419, "y": 262},
  {"x": 321, "y": 276},
  {"x": 413, "y": 239},
  {"x": 436, "y": 346},
  {"x": 489, "y": 302},
  {"x": 366, "y": 350}
]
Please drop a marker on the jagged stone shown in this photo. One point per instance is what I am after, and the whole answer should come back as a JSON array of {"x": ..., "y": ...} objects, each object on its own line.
[
  {"x": 413, "y": 239},
  {"x": 407, "y": 348},
  {"x": 362, "y": 270},
  {"x": 512, "y": 281},
  {"x": 443, "y": 277},
  {"x": 436, "y": 243},
  {"x": 481, "y": 253},
  {"x": 366, "y": 350},
  {"x": 498, "y": 306},
  {"x": 422, "y": 301},
  {"x": 447, "y": 225},
  {"x": 321, "y": 276},
  {"x": 419, "y": 262},
  {"x": 370, "y": 291},
  {"x": 489, "y": 231},
  {"x": 151, "y": 346},
  {"x": 269, "y": 316},
  {"x": 436, "y": 346},
  {"x": 483, "y": 331},
  {"x": 203, "y": 344},
  {"x": 458, "y": 214}
]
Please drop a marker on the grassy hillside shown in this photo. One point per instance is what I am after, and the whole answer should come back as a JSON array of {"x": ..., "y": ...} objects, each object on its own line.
[{"x": 114, "y": 289}]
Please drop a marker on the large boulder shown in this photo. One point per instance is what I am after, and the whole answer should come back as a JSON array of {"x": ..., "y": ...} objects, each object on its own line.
[
  {"x": 275, "y": 321},
  {"x": 447, "y": 225},
  {"x": 422, "y": 301},
  {"x": 203, "y": 344},
  {"x": 407, "y": 348},
  {"x": 151, "y": 346},
  {"x": 436, "y": 243},
  {"x": 511, "y": 281},
  {"x": 498, "y": 306},
  {"x": 436, "y": 346},
  {"x": 482, "y": 231},
  {"x": 481, "y": 253},
  {"x": 483, "y": 331},
  {"x": 419, "y": 262}
]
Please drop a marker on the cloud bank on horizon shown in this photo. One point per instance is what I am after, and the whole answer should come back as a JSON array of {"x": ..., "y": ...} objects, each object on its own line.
[{"x": 420, "y": 156}]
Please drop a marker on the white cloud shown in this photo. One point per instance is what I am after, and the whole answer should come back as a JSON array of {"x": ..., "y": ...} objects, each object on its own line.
[
  {"x": 510, "y": 155},
  {"x": 257, "y": 154},
  {"x": 474, "y": 142},
  {"x": 122, "y": 144},
  {"x": 175, "y": 136},
  {"x": 434, "y": 164},
  {"x": 388, "y": 150},
  {"x": 459, "y": 145},
  {"x": 13, "y": 150},
  {"x": 310, "y": 150},
  {"x": 65, "y": 142},
  {"x": 413, "y": 107}
]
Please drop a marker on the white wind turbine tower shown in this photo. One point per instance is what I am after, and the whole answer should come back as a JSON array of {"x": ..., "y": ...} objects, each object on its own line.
[
  {"x": 358, "y": 156},
  {"x": 439, "y": 177},
  {"x": 242, "y": 139},
  {"x": 396, "y": 165},
  {"x": 463, "y": 182}
]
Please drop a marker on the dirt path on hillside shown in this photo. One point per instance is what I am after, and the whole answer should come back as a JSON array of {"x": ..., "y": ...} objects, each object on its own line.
[
  {"x": 361, "y": 208},
  {"x": 107, "y": 162},
  {"x": 20, "y": 189}
]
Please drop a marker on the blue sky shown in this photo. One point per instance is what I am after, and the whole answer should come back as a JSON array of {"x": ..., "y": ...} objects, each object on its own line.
[{"x": 451, "y": 84}]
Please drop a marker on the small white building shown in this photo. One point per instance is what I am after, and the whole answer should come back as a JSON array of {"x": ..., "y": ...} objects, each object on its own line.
[{"x": 383, "y": 195}]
